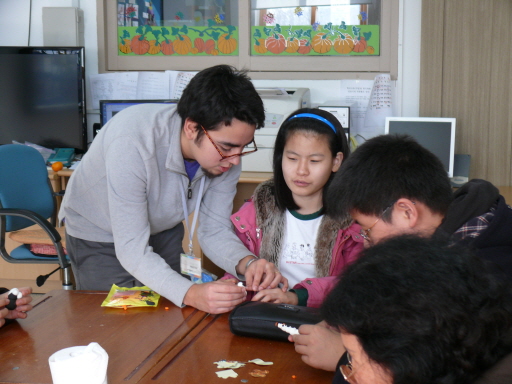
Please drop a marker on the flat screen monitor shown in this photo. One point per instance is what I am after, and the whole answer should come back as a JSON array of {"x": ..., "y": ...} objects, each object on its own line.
[
  {"x": 42, "y": 96},
  {"x": 108, "y": 108},
  {"x": 437, "y": 134}
]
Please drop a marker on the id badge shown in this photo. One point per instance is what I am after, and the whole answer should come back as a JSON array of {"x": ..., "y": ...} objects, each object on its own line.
[{"x": 191, "y": 265}]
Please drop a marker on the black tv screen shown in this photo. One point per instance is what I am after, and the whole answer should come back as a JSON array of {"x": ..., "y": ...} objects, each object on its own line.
[{"x": 42, "y": 96}]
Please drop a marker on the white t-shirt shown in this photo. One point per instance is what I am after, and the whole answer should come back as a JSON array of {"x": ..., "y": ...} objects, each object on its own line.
[{"x": 297, "y": 259}]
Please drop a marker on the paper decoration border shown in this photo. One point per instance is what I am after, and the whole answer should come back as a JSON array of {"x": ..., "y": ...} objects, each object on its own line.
[
  {"x": 183, "y": 41},
  {"x": 316, "y": 40}
]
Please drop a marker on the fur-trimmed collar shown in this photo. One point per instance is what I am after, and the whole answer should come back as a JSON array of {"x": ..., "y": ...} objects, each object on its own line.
[{"x": 272, "y": 223}]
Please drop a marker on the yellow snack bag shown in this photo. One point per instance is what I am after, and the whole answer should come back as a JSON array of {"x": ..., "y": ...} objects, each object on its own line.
[{"x": 131, "y": 297}]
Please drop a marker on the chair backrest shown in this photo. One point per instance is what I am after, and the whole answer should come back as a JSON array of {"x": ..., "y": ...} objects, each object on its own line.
[{"x": 24, "y": 184}]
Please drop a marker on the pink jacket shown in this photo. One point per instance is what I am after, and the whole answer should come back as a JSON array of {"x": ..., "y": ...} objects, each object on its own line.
[{"x": 345, "y": 244}]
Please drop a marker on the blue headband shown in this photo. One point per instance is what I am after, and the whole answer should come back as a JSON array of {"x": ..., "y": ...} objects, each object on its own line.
[{"x": 313, "y": 116}]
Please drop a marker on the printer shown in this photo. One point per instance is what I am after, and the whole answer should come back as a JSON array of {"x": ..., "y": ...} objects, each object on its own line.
[{"x": 278, "y": 103}]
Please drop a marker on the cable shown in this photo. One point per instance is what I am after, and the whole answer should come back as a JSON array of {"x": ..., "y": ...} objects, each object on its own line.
[{"x": 29, "y": 21}]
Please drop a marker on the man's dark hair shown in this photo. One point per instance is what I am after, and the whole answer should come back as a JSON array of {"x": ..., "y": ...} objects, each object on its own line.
[
  {"x": 385, "y": 169},
  {"x": 425, "y": 312},
  {"x": 217, "y": 95},
  {"x": 337, "y": 143}
]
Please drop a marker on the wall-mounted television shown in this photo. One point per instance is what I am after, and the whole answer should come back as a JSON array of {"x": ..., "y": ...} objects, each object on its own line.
[
  {"x": 437, "y": 134},
  {"x": 42, "y": 96}
]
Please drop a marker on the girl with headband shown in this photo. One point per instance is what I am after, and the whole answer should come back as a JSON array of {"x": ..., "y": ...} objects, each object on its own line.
[{"x": 284, "y": 221}]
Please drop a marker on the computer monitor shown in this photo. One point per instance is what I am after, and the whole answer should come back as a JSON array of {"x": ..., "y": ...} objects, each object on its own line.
[
  {"x": 108, "y": 108},
  {"x": 437, "y": 134},
  {"x": 42, "y": 96}
]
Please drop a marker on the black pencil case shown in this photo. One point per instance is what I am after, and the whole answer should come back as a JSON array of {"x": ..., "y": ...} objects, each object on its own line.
[{"x": 257, "y": 319}]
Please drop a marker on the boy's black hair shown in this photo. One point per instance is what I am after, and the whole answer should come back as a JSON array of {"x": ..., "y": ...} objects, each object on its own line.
[
  {"x": 217, "y": 95},
  {"x": 425, "y": 312},
  {"x": 337, "y": 143},
  {"x": 385, "y": 169}
]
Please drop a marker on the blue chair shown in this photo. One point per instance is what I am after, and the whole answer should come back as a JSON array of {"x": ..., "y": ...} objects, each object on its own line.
[{"x": 27, "y": 198}]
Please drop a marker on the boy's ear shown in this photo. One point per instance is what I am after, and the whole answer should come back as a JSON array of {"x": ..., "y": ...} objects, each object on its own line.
[
  {"x": 336, "y": 162},
  {"x": 189, "y": 129},
  {"x": 408, "y": 211}
]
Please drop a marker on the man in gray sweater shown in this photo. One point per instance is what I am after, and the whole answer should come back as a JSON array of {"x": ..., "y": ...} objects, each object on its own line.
[{"x": 147, "y": 169}]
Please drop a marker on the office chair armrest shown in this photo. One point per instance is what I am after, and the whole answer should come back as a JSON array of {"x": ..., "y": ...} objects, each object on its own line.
[
  {"x": 36, "y": 218},
  {"x": 52, "y": 233}
]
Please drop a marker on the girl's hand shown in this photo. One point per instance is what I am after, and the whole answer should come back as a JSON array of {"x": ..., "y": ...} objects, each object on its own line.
[
  {"x": 261, "y": 274},
  {"x": 276, "y": 295}
]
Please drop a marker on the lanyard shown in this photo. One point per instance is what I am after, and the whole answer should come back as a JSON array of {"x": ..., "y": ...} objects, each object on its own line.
[{"x": 185, "y": 211}]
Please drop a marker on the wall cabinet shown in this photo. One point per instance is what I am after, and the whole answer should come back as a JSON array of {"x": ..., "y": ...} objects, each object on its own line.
[{"x": 246, "y": 16}]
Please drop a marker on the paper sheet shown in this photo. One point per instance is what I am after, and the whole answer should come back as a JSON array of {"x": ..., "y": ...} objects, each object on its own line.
[
  {"x": 260, "y": 362},
  {"x": 380, "y": 104},
  {"x": 113, "y": 86},
  {"x": 138, "y": 85},
  {"x": 227, "y": 374},
  {"x": 373, "y": 104},
  {"x": 228, "y": 364},
  {"x": 357, "y": 94},
  {"x": 179, "y": 80},
  {"x": 153, "y": 85}
]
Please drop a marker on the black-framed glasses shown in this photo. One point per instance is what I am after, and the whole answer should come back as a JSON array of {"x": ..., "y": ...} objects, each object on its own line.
[
  {"x": 224, "y": 157},
  {"x": 347, "y": 370}
]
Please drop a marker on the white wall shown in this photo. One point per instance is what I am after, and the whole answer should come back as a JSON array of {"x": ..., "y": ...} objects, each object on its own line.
[{"x": 14, "y": 30}]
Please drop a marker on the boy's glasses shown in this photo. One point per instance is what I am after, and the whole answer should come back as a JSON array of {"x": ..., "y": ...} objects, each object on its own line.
[
  {"x": 222, "y": 156},
  {"x": 365, "y": 233},
  {"x": 347, "y": 371}
]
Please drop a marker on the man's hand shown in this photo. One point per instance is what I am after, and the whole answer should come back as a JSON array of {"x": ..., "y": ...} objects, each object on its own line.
[
  {"x": 22, "y": 306},
  {"x": 319, "y": 345},
  {"x": 215, "y": 297},
  {"x": 276, "y": 295},
  {"x": 261, "y": 274}
]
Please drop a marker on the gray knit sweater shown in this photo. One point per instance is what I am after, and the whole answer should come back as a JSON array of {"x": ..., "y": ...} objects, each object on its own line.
[{"x": 127, "y": 187}]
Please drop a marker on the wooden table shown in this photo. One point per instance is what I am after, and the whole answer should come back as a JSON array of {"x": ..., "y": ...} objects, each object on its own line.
[
  {"x": 211, "y": 340},
  {"x": 134, "y": 339},
  {"x": 145, "y": 345}
]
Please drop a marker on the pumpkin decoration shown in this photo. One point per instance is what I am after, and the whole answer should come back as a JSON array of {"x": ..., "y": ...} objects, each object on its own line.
[
  {"x": 139, "y": 45},
  {"x": 292, "y": 45},
  {"x": 276, "y": 44},
  {"x": 154, "y": 47},
  {"x": 227, "y": 44},
  {"x": 259, "y": 46},
  {"x": 321, "y": 43},
  {"x": 360, "y": 44},
  {"x": 194, "y": 51},
  {"x": 344, "y": 43},
  {"x": 370, "y": 50},
  {"x": 214, "y": 52},
  {"x": 124, "y": 46},
  {"x": 166, "y": 47},
  {"x": 209, "y": 45},
  {"x": 305, "y": 47},
  {"x": 182, "y": 45},
  {"x": 199, "y": 44}
]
